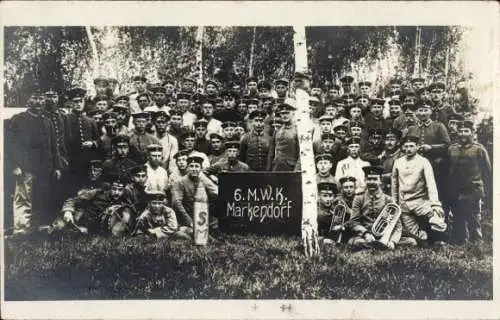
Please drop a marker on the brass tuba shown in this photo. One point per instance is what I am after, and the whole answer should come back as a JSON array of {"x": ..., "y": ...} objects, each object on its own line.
[
  {"x": 339, "y": 213},
  {"x": 386, "y": 222}
]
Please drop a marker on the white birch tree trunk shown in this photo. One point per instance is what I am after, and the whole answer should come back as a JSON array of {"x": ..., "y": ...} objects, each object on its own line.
[
  {"x": 252, "y": 53},
  {"x": 199, "y": 56},
  {"x": 305, "y": 131},
  {"x": 95, "y": 54}
]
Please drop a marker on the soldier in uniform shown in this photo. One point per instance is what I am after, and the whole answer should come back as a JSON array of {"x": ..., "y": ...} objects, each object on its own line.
[
  {"x": 201, "y": 144},
  {"x": 346, "y": 82},
  {"x": 207, "y": 112},
  {"x": 452, "y": 126},
  {"x": 216, "y": 151},
  {"x": 347, "y": 191},
  {"x": 364, "y": 87},
  {"x": 396, "y": 117},
  {"x": 140, "y": 88},
  {"x": 32, "y": 158},
  {"x": 441, "y": 110},
  {"x": 140, "y": 139},
  {"x": 324, "y": 126},
  {"x": 183, "y": 102},
  {"x": 180, "y": 169},
  {"x": 470, "y": 178},
  {"x": 82, "y": 140},
  {"x": 168, "y": 142},
  {"x": 136, "y": 191},
  {"x": 333, "y": 93},
  {"x": 324, "y": 166},
  {"x": 95, "y": 178},
  {"x": 230, "y": 163},
  {"x": 110, "y": 121},
  {"x": 255, "y": 145},
  {"x": 375, "y": 119},
  {"x": 363, "y": 103},
  {"x": 325, "y": 145},
  {"x": 366, "y": 207},
  {"x": 355, "y": 129},
  {"x": 414, "y": 190},
  {"x": 326, "y": 193},
  {"x": 159, "y": 100},
  {"x": 373, "y": 147},
  {"x": 352, "y": 165},
  {"x": 284, "y": 151},
  {"x": 392, "y": 151},
  {"x": 158, "y": 179},
  {"x": 120, "y": 161},
  {"x": 122, "y": 118},
  {"x": 184, "y": 190},
  {"x": 175, "y": 124},
  {"x": 188, "y": 141},
  {"x": 281, "y": 88},
  {"x": 251, "y": 87},
  {"x": 434, "y": 142},
  {"x": 417, "y": 83},
  {"x": 188, "y": 85},
  {"x": 211, "y": 89},
  {"x": 87, "y": 211}
]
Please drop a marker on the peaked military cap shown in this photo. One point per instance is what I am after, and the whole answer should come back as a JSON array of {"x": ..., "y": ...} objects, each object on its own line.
[
  {"x": 119, "y": 139},
  {"x": 95, "y": 163},
  {"x": 411, "y": 138},
  {"x": 76, "y": 92},
  {"x": 372, "y": 170},
  {"x": 437, "y": 85},
  {"x": 328, "y": 136},
  {"x": 188, "y": 134},
  {"x": 394, "y": 102},
  {"x": 257, "y": 114},
  {"x": 467, "y": 124},
  {"x": 109, "y": 115},
  {"x": 137, "y": 169},
  {"x": 161, "y": 115},
  {"x": 181, "y": 153},
  {"x": 364, "y": 83},
  {"x": 101, "y": 81},
  {"x": 232, "y": 144},
  {"x": 395, "y": 132},
  {"x": 325, "y": 117},
  {"x": 340, "y": 127},
  {"x": 324, "y": 156},
  {"x": 155, "y": 147},
  {"x": 281, "y": 81},
  {"x": 200, "y": 123},
  {"x": 227, "y": 124},
  {"x": 377, "y": 101},
  {"x": 215, "y": 135},
  {"x": 327, "y": 186},
  {"x": 159, "y": 89},
  {"x": 140, "y": 115},
  {"x": 264, "y": 84},
  {"x": 156, "y": 196},
  {"x": 353, "y": 140},
  {"x": 211, "y": 81},
  {"x": 347, "y": 179},
  {"x": 347, "y": 79},
  {"x": 194, "y": 159},
  {"x": 183, "y": 95}
]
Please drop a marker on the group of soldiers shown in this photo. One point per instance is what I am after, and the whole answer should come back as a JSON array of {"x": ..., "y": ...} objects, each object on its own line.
[{"x": 138, "y": 162}]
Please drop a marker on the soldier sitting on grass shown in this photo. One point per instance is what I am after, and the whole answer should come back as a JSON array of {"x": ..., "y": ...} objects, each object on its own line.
[
  {"x": 104, "y": 211},
  {"x": 158, "y": 219}
]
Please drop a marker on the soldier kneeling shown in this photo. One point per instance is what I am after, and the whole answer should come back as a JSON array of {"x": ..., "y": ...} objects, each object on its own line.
[
  {"x": 158, "y": 219},
  {"x": 366, "y": 208}
]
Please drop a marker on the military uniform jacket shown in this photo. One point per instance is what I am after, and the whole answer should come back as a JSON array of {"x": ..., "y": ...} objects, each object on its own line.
[
  {"x": 81, "y": 128},
  {"x": 432, "y": 133},
  {"x": 254, "y": 150},
  {"x": 138, "y": 145},
  {"x": 121, "y": 166},
  {"x": 165, "y": 219},
  {"x": 136, "y": 197},
  {"x": 223, "y": 165},
  {"x": 31, "y": 145},
  {"x": 442, "y": 112},
  {"x": 59, "y": 124},
  {"x": 183, "y": 192},
  {"x": 214, "y": 157},
  {"x": 284, "y": 151},
  {"x": 92, "y": 203},
  {"x": 365, "y": 210},
  {"x": 375, "y": 123},
  {"x": 470, "y": 171},
  {"x": 352, "y": 167}
]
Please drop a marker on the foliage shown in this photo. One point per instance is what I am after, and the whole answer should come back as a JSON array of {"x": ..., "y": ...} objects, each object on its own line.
[
  {"x": 62, "y": 56},
  {"x": 246, "y": 266}
]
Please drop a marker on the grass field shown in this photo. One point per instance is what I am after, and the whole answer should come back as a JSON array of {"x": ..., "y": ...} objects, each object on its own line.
[{"x": 240, "y": 267}]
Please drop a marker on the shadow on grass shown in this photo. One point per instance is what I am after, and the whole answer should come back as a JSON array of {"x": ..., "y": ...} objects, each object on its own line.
[{"x": 243, "y": 267}]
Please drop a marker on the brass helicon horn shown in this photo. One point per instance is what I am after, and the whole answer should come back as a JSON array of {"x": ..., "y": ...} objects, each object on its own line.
[
  {"x": 386, "y": 222},
  {"x": 339, "y": 214}
]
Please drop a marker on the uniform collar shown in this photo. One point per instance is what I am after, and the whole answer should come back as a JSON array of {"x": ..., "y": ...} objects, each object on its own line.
[
  {"x": 425, "y": 124},
  {"x": 258, "y": 134}
]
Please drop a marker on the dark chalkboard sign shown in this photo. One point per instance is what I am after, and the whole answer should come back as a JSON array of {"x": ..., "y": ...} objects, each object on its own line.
[{"x": 267, "y": 203}]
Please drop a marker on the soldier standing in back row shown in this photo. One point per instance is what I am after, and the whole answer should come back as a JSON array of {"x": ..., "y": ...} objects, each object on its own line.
[
  {"x": 470, "y": 181},
  {"x": 82, "y": 140}
]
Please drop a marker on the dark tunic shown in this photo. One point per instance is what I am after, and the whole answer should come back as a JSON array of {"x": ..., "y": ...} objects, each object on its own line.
[
  {"x": 284, "y": 150},
  {"x": 202, "y": 145},
  {"x": 375, "y": 123},
  {"x": 120, "y": 166},
  {"x": 254, "y": 150},
  {"x": 32, "y": 146}
]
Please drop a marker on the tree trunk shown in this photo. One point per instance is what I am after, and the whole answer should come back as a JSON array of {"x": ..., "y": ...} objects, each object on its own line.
[
  {"x": 199, "y": 55},
  {"x": 252, "y": 53},
  {"x": 305, "y": 130},
  {"x": 95, "y": 55}
]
